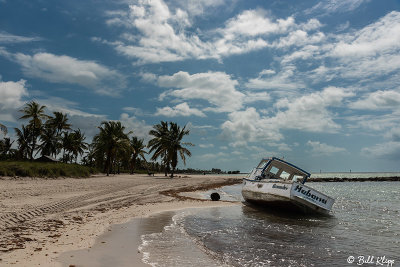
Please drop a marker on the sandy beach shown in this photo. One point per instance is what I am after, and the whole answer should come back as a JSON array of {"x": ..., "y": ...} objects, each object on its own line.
[{"x": 42, "y": 218}]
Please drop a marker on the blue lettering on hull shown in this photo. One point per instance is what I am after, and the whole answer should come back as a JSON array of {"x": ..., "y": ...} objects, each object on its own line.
[{"x": 308, "y": 194}]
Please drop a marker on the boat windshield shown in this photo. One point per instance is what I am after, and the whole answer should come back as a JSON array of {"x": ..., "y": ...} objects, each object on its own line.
[
  {"x": 297, "y": 178},
  {"x": 273, "y": 168},
  {"x": 275, "y": 173},
  {"x": 281, "y": 170},
  {"x": 262, "y": 164}
]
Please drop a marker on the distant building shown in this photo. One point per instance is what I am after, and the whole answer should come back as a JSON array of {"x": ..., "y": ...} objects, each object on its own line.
[{"x": 47, "y": 159}]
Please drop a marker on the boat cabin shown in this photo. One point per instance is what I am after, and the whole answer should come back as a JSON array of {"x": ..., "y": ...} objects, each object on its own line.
[{"x": 278, "y": 169}]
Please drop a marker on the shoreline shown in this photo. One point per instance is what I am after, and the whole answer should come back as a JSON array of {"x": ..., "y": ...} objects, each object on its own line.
[
  {"x": 41, "y": 219},
  {"x": 119, "y": 242}
]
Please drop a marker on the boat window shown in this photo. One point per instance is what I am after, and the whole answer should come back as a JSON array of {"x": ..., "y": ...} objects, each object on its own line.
[
  {"x": 297, "y": 178},
  {"x": 285, "y": 175},
  {"x": 274, "y": 170},
  {"x": 262, "y": 164}
]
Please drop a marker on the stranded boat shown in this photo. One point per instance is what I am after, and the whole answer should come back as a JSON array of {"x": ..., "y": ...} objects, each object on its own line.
[{"x": 277, "y": 183}]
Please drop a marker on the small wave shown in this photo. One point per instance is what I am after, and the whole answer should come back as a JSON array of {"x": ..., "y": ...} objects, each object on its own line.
[{"x": 174, "y": 247}]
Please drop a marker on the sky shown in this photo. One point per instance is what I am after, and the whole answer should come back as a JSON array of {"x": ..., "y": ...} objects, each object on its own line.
[{"x": 314, "y": 82}]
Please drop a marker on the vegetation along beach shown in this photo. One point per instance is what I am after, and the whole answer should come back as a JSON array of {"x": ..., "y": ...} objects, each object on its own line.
[{"x": 199, "y": 133}]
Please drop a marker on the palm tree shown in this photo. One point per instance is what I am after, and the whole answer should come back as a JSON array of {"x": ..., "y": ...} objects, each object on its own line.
[
  {"x": 110, "y": 141},
  {"x": 175, "y": 145},
  {"x": 158, "y": 144},
  {"x": 137, "y": 147},
  {"x": 5, "y": 147},
  {"x": 167, "y": 143},
  {"x": 51, "y": 138},
  {"x": 5, "y": 144},
  {"x": 73, "y": 144},
  {"x": 90, "y": 158},
  {"x": 122, "y": 156},
  {"x": 78, "y": 143},
  {"x": 50, "y": 142},
  {"x": 59, "y": 122},
  {"x": 34, "y": 112},
  {"x": 23, "y": 140},
  {"x": 67, "y": 145}
]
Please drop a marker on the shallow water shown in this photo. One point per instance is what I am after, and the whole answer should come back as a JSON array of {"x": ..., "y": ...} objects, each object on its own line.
[
  {"x": 355, "y": 174},
  {"x": 365, "y": 221}
]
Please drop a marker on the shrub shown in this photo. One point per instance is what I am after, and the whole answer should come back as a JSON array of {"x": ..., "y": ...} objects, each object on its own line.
[{"x": 46, "y": 170}]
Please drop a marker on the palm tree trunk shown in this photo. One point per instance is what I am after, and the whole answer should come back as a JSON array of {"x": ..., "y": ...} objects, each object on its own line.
[
  {"x": 166, "y": 169},
  {"x": 174, "y": 162},
  {"x": 108, "y": 163},
  {"x": 133, "y": 164},
  {"x": 63, "y": 157},
  {"x": 33, "y": 148},
  {"x": 112, "y": 166},
  {"x": 33, "y": 139}
]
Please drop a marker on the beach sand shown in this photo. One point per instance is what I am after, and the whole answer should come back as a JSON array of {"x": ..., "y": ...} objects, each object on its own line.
[{"x": 42, "y": 218}]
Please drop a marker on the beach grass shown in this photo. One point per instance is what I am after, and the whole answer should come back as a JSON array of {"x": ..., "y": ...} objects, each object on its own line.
[{"x": 44, "y": 170}]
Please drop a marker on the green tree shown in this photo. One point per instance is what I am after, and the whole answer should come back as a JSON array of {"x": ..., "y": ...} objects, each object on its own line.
[
  {"x": 110, "y": 141},
  {"x": 34, "y": 112},
  {"x": 50, "y": 142},
  {"x": 5, "y": 147},
  {"x": 176, "y": 146},
  {"x": 67, "y": 146},
  {"x": 137, "y": 147},
  {"x": 158, "y": 145},
  {"x": 122, "y": 156},
  {"x": 51, "y": 135},
  {"x": 167, "y": 144},
  {"x": 23, "y": 140},
  {"x": 74, "y": 145},
  {"x": 90, "y": 158},
  {"x": 59, "y": 122},
  {"x": 78, "y": 144}
]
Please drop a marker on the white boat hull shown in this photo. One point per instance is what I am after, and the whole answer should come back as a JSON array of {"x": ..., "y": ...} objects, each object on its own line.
[{"x": 293, "y": 195}]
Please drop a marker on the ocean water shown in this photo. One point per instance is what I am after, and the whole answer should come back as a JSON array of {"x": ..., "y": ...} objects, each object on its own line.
[
  {"x": 348, "y": 174},
  {"x": 354, "y": 174},
  {"x": 363, "y": 230}
]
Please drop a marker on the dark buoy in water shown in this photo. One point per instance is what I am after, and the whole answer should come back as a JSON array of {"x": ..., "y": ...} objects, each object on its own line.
[{"x": 215, "y": 196}]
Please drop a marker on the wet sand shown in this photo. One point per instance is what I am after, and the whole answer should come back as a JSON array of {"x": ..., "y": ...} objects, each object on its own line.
[
  {"x": 118, "y": 246},
  {"x": 41, "y": 219}
]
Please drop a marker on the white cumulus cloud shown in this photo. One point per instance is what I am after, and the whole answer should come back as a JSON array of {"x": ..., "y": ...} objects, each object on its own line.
[
  {"x": 11, "y": 94},
  {"x": 182, "y": 109},
  {"x": 65, "y": 69},
  {"x": 11, "y": 98},
  {"x": 380, "y": 37},
  {"x": 378, "y": 100},
  {"x": 217, "y": 88},
  {"x": 309, "y": 113},
  {"x": 248, "y": 126},
  {"x": 166, "y": 32},
  {"x": 285, "y": 80}
]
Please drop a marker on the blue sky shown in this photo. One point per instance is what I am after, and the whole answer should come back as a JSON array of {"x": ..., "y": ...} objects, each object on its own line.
[{"x": 315, "y": 82}]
